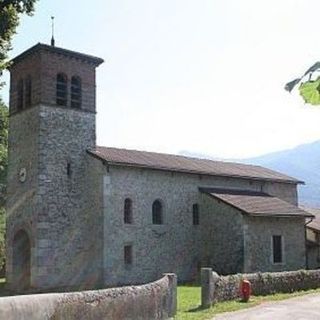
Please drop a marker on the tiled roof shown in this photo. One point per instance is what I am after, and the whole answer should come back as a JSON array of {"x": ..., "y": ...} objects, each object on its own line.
[
  {"x": 74, "y": 54},
  {"x": 315, "y": 224},
  {"x": 169, "y": 162},
  {"x": 256, "y": 203}
]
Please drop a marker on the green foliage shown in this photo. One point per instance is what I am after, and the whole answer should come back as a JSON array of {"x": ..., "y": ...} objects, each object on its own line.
[
  {"x": 10, "y": 11},
  {"x": 309, "y": 89},
  {"x": 2, "y": 238}
]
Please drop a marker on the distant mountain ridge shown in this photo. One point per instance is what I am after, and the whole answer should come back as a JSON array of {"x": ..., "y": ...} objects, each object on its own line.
[{"x": 301, "y": 162}]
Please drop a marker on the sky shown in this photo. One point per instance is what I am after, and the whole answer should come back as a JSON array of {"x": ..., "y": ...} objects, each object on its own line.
[{"x": 203, "y": 76}]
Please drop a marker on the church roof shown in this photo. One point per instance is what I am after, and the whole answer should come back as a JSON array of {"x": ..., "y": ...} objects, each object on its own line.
[
  {"x": 257, "y": 204},
  {"x": 68, "y": 53},
  {"x": 175, "y": 163}
]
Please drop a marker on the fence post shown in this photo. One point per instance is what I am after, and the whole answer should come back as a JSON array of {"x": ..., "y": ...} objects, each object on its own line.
[
  {"x": 207, "y": 287},
  {"x": 172, "y": 277}
]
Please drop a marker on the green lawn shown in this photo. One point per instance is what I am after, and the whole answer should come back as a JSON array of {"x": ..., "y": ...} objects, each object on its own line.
[{"x": 189, "y": 303}]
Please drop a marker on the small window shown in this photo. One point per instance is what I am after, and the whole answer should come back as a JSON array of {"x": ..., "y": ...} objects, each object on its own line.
[
  {"x": 127, "y": 211},
  {"x": 195, "y": 214},
  {"x": 127, "y": 255},
  {"x": 157, "y": 212},
  {"x": 69, "y": 172},
  {"x": 20, "y": 95},
  {"x": 61, "y": 89},
  {"x": 277, "y": 249},
  {"x": 75, "y": 92},
  {"x": 28, "y": 91}
]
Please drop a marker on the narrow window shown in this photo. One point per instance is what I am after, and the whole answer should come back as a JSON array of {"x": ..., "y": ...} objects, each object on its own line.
[
  {"x": 61, "y": 89},
  {"x": 277, "y": 249},
  {"x": 195, "y": 214},
  {"x": 75, "y": 92},
  {"x": 127, "y": 255},
  {"x": 28, "y": 91},
  {"x": 157, "y": 212},
  {"x": 20, "y": 95},
  {"x": 69, "y": 172},
  {"x": 127, "y": 211}
]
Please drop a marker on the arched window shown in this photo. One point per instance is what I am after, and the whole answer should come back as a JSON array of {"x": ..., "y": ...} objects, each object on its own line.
[
  {"x": 28, "y": 91},
  {"x": 195, "y": 214},
  {"x": 75, "y": 92},
  {"x": 157, "y": 217},
  {"x": 20, "y": 95},
  {"x": 127, "y": 211},
  {"x": 61, "y": 89}
]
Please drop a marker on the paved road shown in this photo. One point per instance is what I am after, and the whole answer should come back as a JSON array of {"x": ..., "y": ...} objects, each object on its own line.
[{"x": 301, "y": 308}]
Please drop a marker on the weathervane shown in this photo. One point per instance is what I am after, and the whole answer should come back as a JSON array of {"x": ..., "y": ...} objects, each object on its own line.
[{"x": 52, "y": 28}]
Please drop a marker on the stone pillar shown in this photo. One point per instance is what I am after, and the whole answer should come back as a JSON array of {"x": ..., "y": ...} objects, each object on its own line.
[
  {"x": 208, "y": 280},
  {"x": 172, "y": 304}
]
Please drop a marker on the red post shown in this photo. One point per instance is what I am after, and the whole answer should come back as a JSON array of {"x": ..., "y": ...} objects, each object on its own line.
[{"x": 245, "y": 290}]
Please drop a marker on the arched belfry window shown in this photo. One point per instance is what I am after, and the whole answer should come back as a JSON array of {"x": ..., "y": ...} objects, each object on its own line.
[
  {"x": 20, "y": 94},
  {"x": 157, "y": 214},
  {"x": 28, "y": 92},
  {"x": 61, "y": 89},
  {"x": 127, "y": 211},
  {"x": 76, "y": 92}
]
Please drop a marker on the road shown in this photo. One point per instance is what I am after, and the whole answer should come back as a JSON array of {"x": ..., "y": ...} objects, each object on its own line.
[{"x": 300, "y": 308}]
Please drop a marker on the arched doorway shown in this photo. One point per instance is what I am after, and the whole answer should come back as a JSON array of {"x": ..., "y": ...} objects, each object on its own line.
[{"x": 21, "y": 260}]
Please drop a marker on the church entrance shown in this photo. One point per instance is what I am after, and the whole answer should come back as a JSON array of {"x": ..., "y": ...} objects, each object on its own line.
[{"x": 21, "y": 260}]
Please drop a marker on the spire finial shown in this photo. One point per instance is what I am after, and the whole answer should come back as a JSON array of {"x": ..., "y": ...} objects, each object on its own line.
[{"x": 52, "y": 28}]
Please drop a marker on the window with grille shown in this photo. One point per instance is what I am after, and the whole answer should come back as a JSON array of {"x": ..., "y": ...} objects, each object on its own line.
[
  {"x": 157, "y": 217},
  {"x": 127, "y": 211},
  {"x": 61, "y": 89},
  {"x": 76, "y": 92}
]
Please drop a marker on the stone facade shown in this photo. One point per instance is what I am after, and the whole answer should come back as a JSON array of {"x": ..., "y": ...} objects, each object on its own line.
[
  {"x": 69, "y": 204},
  {"x": 220, "y": 240}
]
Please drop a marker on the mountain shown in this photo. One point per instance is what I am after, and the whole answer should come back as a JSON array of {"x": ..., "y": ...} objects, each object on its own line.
[{"x": 303, "y": 163}]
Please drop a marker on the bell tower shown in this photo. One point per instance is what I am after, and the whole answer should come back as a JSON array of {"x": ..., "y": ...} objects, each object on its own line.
[{"x": 52, "y": 124}]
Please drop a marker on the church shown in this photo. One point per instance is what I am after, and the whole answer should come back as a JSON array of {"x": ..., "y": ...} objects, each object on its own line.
[{"x": 85, "y": 216}]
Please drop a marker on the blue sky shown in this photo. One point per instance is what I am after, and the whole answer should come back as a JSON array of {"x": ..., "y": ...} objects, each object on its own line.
[{"x": 205, "y": 76}]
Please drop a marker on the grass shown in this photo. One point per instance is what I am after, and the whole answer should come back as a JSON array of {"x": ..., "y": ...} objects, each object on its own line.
[{"x": 189, "y": 303}]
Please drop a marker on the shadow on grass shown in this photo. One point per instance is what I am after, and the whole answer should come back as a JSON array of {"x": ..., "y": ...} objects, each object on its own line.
[{"x": 196, "y": 309}]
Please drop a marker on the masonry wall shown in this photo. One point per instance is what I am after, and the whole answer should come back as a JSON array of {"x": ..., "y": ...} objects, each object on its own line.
[
  {"x": 177, "y": 245},
  {"x": 68, "y": 222},
  {"x": 22, "y": 197},
  {"x": 258, "y": 232},
  {"x": 223, "y": 239},
  {"x": 157, "y": 300}
]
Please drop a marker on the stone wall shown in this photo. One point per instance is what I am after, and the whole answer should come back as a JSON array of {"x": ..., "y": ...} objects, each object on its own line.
[
  {"x": 215, "y": 288},
  {"x": 258, "y": 232},
  {"x": 157, "y": 300},
  {"x": 177, "y": 245}
]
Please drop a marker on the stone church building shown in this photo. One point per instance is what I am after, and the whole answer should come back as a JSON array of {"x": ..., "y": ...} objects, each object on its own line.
[{"x": 84, "y": 216}]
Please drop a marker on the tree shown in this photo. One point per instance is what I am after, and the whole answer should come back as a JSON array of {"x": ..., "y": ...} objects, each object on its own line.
[
  {"x": 3, "y": 173},
  {"x": 10, "y": 11},
  {"x": 309, "y": 85}
]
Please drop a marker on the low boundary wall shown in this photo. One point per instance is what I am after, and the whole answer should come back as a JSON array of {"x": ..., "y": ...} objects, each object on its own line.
[
  {"x": 215, "y": 288},
  {"x": 156, "y": 300}
]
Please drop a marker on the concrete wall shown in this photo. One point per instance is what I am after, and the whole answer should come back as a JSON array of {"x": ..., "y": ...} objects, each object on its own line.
[
  {"x": 215, "y": 288},
  {"x": 258, "y": 232},
  {"x": 176, "y": 245},
  {"x": 157, "y": 300}
]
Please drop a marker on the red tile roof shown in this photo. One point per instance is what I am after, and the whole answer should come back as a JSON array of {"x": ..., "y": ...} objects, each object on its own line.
[
  {"x": 256, "y": 203},
  {"x": 169, "y": 162}
]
